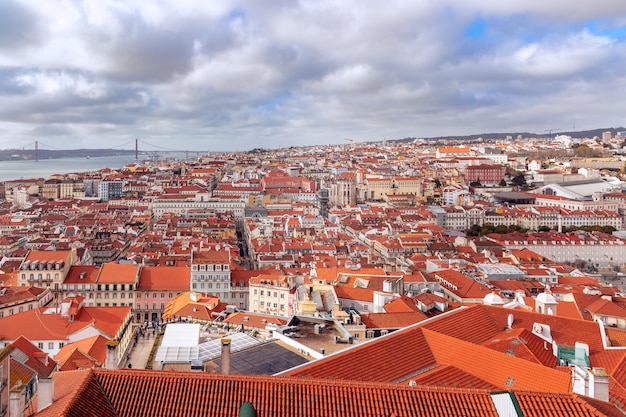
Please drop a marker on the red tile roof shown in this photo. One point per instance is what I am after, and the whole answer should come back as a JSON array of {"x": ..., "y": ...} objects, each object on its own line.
[
  {"x": 36, "y": 359},
  {"x": 127, "y": 393},
  {"x": 164, "y": 278},
  {"x": 118, "y": 273}
]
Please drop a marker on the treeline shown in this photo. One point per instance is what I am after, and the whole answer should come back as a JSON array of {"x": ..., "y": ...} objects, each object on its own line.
[{"x": 488, "y": 228}]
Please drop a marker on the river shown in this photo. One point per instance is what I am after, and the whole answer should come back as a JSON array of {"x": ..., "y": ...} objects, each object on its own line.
[{"x": 11, "y": 170}]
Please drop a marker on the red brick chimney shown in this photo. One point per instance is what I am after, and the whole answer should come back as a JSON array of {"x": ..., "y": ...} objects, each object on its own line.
[{"x": 225, "y": 356}]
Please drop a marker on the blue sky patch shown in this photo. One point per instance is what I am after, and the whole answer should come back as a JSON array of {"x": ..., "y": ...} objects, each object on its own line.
[{"x": 475, "y": 29}]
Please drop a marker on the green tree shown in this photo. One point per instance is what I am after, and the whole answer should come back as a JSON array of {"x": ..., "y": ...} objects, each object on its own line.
[
  {"x": 501, "y": 229},
  {"x": 518, "y": 180},
  {"x": 487, "y": 229},
  {"x": 474, "y": 230}
]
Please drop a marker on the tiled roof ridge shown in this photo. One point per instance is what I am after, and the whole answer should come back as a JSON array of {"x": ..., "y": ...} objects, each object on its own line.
[
  {"x": 77, "y": 399},
  {"x": 297, "y": 380},
  {"x": 588, "y": 403},
  {"x": 76, "y": 393}
]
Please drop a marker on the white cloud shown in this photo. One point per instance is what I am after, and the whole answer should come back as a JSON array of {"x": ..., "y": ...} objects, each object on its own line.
[{"x": 222, "y": 73}]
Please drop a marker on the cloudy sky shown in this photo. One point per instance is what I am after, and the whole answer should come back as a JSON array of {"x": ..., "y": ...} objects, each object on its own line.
[{"x": 234, "y": 75}]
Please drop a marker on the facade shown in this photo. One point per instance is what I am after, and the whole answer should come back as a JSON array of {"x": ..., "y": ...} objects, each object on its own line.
[
  {"x": 158, "y": 286},
  {"x": 375, "y": 189},
  {"x": 341, "y": 191},
  {"x": 210, "y": 272},
  {"x": 271, "y": 295},
  {"x": 46, "y": 268},
  {"x": 108, "y": 189},
  {"x": 486, "y": 174},
  {"x": 117, "y": 284}
]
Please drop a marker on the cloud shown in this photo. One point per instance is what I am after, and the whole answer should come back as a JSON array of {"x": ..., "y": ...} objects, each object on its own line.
[{"x": 233, "y": 75}]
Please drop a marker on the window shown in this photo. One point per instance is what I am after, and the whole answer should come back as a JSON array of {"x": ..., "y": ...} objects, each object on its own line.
[
  {"x": 154, "y": 295},
  {"x": 130, "y": 295},
  {"x": 138, "y": 306},
  {"x": 162, "y": 306},
  {"x": 114, "y": 295},
  {"x": 170, "y": 296},
  {"x": 282, "y": 295},
  {"x": 262, "y": 292},
  {"x": 114, "y": 287},
  {"x": 122, "y": 295},
  {"x": 50, "y": 345},
  {"x": 138, "y": 295},
  {"x": 122, "y": 287},
  {"x": 162, "y": 295},
  {"x": 40, "y": 345},
  {"x": 106, "y": 287},
  {"x": 106, "y": 295},
  {"x": 255, "y": 291}
]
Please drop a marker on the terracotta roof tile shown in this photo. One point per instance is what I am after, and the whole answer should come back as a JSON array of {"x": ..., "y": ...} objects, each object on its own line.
[
  {"x": 149, "y": 393},
  {"x": 37, "y": 359},
  {"x": 157, "y": 278},
  {"x": 384, "y": 362},
  {"x": 118, "y": 273},
  {"x": 77, "y": 394}
]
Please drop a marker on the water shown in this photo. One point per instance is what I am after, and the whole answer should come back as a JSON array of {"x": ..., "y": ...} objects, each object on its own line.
[{"x": 18, "y": 169}]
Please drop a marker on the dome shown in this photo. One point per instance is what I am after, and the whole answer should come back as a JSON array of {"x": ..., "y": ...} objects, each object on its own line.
[
  {"x": 546, "y": 297},
  {"x": 493, "y": 299}
]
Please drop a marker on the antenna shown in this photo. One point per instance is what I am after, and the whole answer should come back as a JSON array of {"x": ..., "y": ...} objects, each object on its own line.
[{"x": 550, "y": 131}]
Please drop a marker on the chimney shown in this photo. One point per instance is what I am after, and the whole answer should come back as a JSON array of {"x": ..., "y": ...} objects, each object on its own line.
[
  {"x": 225, "y": 356},
  {"x": 45, "y": 393},
  {"x": 591, "y": 382},
  {"x": 599, "y": 384},
  {"x": 17, "y": 401},
  {"x": 110, "y": 361}
]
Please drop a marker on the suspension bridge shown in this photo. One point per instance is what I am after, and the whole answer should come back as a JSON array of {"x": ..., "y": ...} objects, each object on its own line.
[{"x": 141, "y": 149}]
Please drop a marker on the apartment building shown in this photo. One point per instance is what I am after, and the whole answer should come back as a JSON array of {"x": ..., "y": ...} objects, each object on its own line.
[
  {"x": 271, "y": 295},
  {"x": 117, "y": 284},
  {"x": 46, "y": 268},
  {"x": 157, "y": 286},
  {"x": 210, "y": 271}
]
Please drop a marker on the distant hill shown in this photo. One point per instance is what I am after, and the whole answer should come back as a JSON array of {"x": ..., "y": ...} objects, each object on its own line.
[{"x": 492, "y": 136}]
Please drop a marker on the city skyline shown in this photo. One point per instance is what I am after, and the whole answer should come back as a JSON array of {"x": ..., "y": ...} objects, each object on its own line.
[{"x": 239, "y": 75}]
